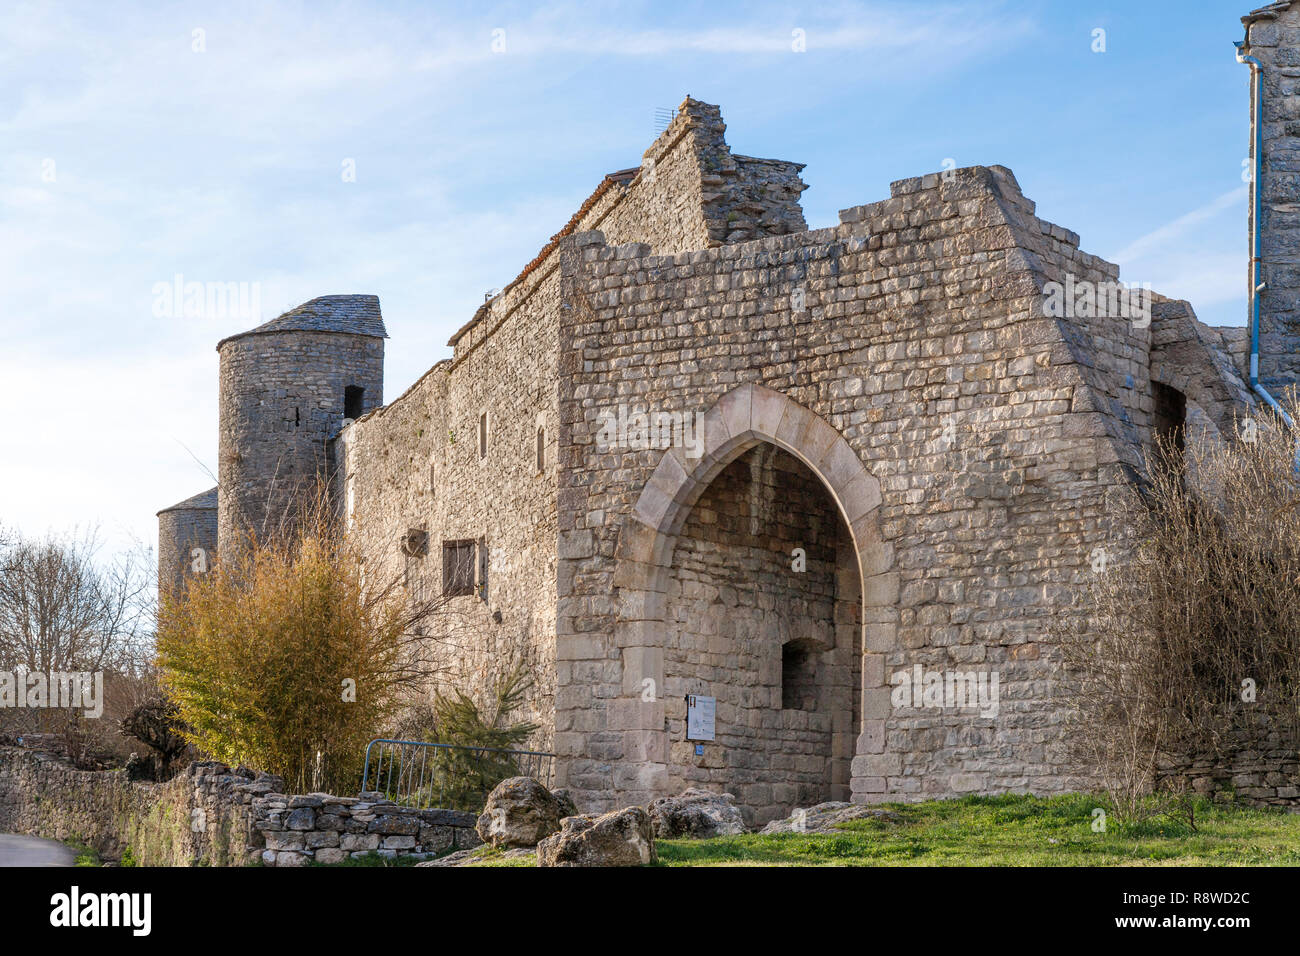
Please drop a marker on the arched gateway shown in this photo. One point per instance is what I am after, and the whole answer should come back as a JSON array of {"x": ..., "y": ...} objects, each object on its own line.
[{"x": 752, "y": 574}]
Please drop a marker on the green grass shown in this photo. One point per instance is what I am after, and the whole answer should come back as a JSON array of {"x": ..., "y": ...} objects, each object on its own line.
[
  {"x": 1012, "y": 831},
  {"x": 86, "y": 856}
]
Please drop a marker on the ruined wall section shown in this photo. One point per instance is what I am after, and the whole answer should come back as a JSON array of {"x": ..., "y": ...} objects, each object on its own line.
[
  {"x": 1101, "y": 353},
  {"x": 1118, "y": 356},
  {"x": 1198, "y": 361},
  {"x": 689, "y": 193},
  {"x": 917, "y": 312}
]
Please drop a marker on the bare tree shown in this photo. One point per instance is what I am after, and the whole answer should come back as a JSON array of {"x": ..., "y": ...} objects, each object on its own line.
[
  {"x": 61, "y": 609},
  {"x": 1189, "y": 645}
]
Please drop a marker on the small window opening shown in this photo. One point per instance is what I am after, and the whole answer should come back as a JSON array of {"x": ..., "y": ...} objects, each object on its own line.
[
  {"x": 798, "y": 677},
  {"x": 297, "y": 417},
  {"x": 483, "y": 563},
  {"x": 457, "y": 568},
  {"x": 482, "y": 435},
  {"x": 353, "y": 401},
  {"x": 1168, "y": 422},
  {"x": 541, "y": 449}
]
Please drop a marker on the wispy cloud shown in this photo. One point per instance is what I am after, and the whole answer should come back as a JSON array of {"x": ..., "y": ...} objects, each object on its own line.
[
  {"x": 1159, "y": 239},
  {"x": 1200, "y": 256}
]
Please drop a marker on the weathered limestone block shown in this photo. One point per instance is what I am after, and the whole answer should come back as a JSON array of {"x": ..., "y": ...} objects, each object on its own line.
[
  {"x": 619, "y": 838},
  {"x": 696, "y": 813},
  {"x": 520, "y": 812},
  {"x": 826, "y": 817}
]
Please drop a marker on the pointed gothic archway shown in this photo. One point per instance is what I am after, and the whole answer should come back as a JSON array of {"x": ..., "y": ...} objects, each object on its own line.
[{"x": 746, "y": 420}]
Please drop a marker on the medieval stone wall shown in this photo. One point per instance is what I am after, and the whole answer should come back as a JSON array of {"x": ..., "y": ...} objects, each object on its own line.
[
  {"x": 416, "y": 465},
  {"x": 949, "y": 453},
  {"x": 916, "y": 331},
  {"x": 209, "y": 815}
]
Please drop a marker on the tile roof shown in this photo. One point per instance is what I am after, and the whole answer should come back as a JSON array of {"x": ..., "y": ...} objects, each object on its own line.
[{"x": 1268, "y": 12}]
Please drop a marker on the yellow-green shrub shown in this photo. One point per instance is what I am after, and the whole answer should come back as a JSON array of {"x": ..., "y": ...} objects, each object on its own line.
[{"x": 257, "y": 654}]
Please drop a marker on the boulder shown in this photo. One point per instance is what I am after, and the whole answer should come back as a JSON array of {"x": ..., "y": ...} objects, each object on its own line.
[
  {"x": 698, "y": 814},
  {"x": 825, "y": 817},
  {"x": 521, "y": 812},
  {"x": 620, "y": 838}
]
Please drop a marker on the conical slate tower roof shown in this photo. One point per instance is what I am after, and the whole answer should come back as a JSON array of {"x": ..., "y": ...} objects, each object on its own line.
[
  {"x": 203, "y": 501},
  {"x": 352, "y": 314}
]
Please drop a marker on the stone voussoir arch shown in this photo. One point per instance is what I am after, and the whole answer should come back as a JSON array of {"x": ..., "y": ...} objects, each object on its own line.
[{"x": 742, "y": 418}]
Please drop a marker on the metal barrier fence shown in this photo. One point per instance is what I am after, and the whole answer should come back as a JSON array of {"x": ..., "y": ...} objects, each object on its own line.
[{"x": 413, "y": 773}]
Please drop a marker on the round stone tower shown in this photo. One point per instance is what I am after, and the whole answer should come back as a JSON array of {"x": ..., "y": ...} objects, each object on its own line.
[
  {"x": 187, "y": 540},
  {"x": 286, "y": 388}
]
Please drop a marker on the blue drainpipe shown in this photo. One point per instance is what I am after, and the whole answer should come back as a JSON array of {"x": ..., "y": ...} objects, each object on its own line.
[{"x": 1256, "y": 282}]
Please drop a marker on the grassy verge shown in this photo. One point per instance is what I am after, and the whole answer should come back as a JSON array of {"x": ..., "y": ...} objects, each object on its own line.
[
  {"x": 1013, "y": 831},
  {"x": 86, "y": 856},
  {"x": 1000, "y": 831}
]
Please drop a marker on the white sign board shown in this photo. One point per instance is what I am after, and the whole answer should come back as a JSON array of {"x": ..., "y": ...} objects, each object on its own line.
[{"x": 700, "y": 714}]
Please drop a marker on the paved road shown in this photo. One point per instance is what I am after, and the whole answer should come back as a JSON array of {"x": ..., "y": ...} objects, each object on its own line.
[{"x": 33, "y": 851}]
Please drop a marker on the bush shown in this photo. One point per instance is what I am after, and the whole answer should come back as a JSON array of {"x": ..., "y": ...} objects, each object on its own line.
[
  {"x": 461, "y": 779},
  {"x": 1193, "y": 634},
  {"x": 157, "y": 724},
  {"x": 286, "y": 659}
]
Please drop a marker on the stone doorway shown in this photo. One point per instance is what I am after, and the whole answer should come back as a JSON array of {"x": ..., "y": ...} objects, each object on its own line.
[
  {"x": 682, "y": 625},
  {"x": 763, "y": 613}
]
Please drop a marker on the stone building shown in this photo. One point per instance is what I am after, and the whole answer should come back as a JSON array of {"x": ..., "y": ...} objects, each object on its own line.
[{"x": 697, "y": 450}]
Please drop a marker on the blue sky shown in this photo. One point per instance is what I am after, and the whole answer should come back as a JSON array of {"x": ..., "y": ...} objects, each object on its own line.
[{"x": 128, "y": 157}]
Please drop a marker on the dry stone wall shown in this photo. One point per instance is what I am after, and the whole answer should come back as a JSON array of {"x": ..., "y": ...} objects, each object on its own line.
[
  {"x": 210, "y": 815},
  {"x": 1257, "y": 765}
]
